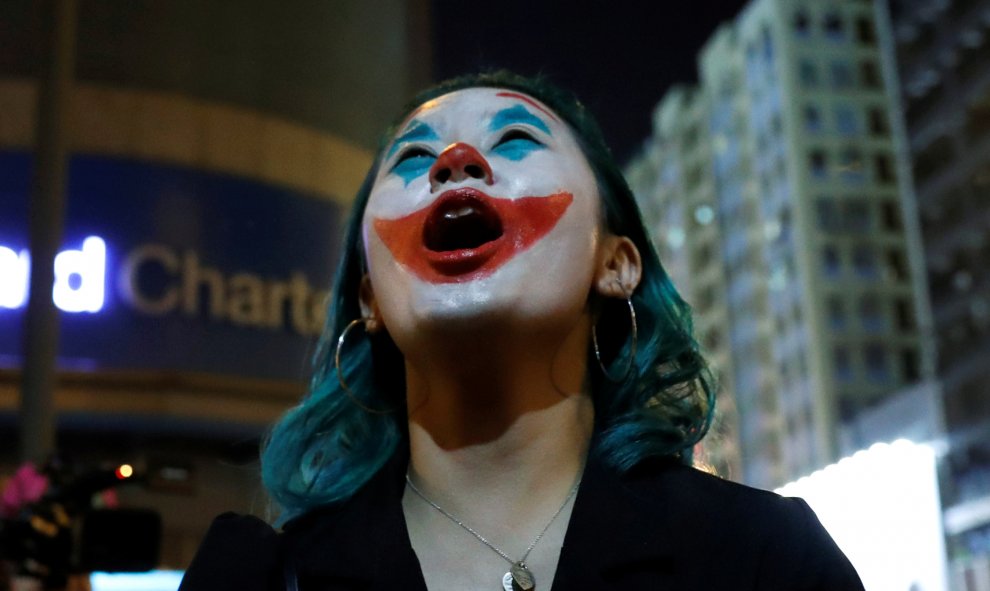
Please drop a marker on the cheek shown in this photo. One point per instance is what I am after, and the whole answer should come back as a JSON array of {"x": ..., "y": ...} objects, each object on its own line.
[{"x": 390, "y": 199}]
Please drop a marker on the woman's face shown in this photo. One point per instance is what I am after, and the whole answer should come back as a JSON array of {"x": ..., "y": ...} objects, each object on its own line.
[{"x": 484, "y": 208}]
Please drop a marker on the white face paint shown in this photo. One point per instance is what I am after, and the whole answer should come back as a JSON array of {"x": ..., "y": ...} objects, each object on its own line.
[{"x": 484, "y": 208}]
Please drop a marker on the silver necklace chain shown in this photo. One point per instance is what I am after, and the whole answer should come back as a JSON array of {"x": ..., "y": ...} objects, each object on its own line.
[{"x": 483, "y": 539}]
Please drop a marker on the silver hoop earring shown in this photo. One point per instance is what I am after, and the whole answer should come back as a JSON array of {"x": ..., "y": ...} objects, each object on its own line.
[
  {"x": 340, "y": 374},
  {"x": 632, "y": 348}
]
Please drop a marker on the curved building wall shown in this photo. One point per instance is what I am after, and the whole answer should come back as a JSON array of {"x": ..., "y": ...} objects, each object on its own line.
[{"x": 214, "y": 150}]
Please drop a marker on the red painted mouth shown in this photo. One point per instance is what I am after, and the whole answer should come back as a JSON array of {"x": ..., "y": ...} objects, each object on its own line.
[{"x": 466, "y": 234}]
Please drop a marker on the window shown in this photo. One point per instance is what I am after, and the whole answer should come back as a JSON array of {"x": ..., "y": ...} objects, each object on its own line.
[
  {"x": 843, "y": 364},
  {"x": 828, "y": 216},
  {"x": 904, "y": 312},
  {"x": 842, "y": 75},
  {"x": 851, "y": 165},
  {"x": 865, "y": 33},
  {"x": 871, "y": 314},
  {"x": 818, "y": 164},
  {"x": 978, "y": 120},
  {"x": 767, "y": 44},
  {"x": 831, "y": 263},
  {"x": 869, "y": 75},
  {"x": 776, "y": 124},
  {"x": 836, "y": 313},
  {"x": 897, "y": 267},
  {"x": 884, "y": 167},
  {"x": 812, "y": 118},
  {"x": 802, "y": 24},
  {"x": 910, "y": 365},
  {"x": 857, "y": 217},
  {"x": 891, "y": 213},
  {"x": 846, "y": 121},
  {"x": 690, "y": 138},
  {"x": 878, "y": 122},
  {"x": 875, "y": 357},
  {"x": 808, "y": 73},
  {"x": 834, "y": 28},
  {"x": 864, "y": 261}
]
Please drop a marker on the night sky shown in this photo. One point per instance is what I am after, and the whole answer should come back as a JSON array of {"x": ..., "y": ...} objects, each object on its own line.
[{"x": 618, "y": 56}]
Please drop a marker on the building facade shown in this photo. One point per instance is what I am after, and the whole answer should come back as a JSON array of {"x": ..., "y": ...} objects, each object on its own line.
[
  {"x": 943, "y": 55},
  {"x": 789, "y": 228}
]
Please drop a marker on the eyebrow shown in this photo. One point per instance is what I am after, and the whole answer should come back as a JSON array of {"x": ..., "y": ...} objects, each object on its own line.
[
  {"x": 517, "y": 114},
  {"x": 417, "y": 131}
]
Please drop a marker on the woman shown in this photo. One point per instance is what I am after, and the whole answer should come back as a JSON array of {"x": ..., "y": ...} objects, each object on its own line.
[{"x": 508, "y": 393}]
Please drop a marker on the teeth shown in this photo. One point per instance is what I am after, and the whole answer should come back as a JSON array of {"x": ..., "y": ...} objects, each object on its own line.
[
  {"x": 456, "y": 226},
  {"x": 455, "y": 214}
]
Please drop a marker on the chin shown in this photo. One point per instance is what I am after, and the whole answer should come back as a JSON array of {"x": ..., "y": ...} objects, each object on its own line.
[{"x": 459, "y": 306}]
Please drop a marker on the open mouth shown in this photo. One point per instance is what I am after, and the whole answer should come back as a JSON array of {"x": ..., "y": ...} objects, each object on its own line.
[
  {"x": 466, "y": 234},
  {"x": 461, "y": 221}
]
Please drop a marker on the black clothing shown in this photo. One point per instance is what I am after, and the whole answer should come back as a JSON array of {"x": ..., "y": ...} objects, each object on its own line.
[{"x": 660, "y": 526}]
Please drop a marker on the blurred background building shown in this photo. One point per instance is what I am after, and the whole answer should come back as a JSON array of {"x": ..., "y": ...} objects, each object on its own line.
[
  {"x": 776, "y": 189},
  {"x": 943, "y": 53},
  {"x": 215, "y": 147},
  {"x": 823, "y": 196}
]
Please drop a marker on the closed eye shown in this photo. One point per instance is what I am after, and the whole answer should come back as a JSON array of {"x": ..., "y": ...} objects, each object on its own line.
[
  {"x": 413, "y": 162},
  {"x": 516, "y": 144},
  {"x": 412, "y": 154}
]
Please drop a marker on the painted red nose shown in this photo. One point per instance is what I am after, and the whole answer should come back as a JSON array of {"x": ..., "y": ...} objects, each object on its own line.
[{"x": 459, "y": 162}]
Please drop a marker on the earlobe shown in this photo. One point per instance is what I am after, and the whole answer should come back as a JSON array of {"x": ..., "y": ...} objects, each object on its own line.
[
  {"x": 620, "y": 268},
  {"x": 369, "y": 306}
]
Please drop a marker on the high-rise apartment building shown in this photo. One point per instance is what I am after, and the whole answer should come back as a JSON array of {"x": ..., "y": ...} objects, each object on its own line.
[
  {"x": 943, "y": 54},
  {"x": 779, "y": 194}
]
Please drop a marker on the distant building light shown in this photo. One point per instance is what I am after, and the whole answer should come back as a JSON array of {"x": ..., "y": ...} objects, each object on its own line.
[
  {"x": 156, "y": 580},
  {"x": 882, "y": 507},
  {"x": 675, "y": 238},
  {"x": 704, "y": 215},
  {"x": 962, "y": 280}
]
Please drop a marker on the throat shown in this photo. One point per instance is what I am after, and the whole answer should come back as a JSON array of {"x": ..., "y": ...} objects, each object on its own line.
[{"x": 455, "y": 552}]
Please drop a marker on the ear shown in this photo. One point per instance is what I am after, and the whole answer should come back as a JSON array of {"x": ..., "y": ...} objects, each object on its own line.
[
  {"x": 619, "y": 267},
  {"x": 369, "y": 306}
]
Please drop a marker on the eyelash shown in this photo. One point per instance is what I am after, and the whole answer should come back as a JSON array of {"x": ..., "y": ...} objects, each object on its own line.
[
  {"x": 517, "y": 134},
  {"x": 414, "y": 152}
]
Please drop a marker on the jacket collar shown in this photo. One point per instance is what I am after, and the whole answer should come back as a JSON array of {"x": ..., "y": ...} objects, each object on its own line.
[{"x": 620, "y": 524}]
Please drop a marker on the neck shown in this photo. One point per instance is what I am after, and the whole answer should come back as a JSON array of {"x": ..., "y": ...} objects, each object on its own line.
[{"x": 514, "y": 425}]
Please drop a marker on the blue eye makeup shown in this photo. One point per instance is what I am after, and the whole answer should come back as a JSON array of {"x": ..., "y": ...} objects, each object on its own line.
[
  {"x": 517, "y": 144},
  {"x": 416, "y": 160},
  {"x": 413, "y": 163}
]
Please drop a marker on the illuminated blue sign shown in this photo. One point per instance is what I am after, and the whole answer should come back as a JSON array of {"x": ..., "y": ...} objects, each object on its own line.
[
  {"x": 167, "y": 268},
  {"x": 80, "y": 277}
]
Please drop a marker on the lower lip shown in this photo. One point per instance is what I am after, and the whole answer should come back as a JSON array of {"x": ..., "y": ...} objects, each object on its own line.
[
  {"x": 524, "y": 222},
  {"x": 466, "y": 261}
]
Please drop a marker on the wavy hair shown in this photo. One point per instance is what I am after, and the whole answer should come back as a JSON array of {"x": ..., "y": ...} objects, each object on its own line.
[{"x": 324, "y": 449}]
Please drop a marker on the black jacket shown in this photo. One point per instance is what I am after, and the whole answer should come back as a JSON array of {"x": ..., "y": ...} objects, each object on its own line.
[{"x": 661, "y": 526}]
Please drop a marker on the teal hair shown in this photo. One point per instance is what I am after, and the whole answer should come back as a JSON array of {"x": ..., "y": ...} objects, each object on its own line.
[{"x": 323, "y": 450}]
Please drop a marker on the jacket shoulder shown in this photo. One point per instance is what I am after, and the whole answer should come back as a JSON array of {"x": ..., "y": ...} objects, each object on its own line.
[
  {"x": 239, "y": 552},
  {"x": 781, "y": 536}
]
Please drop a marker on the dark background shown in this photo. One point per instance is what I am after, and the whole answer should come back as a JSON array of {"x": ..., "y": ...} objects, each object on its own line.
[{"x": 619, "y": 57}]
